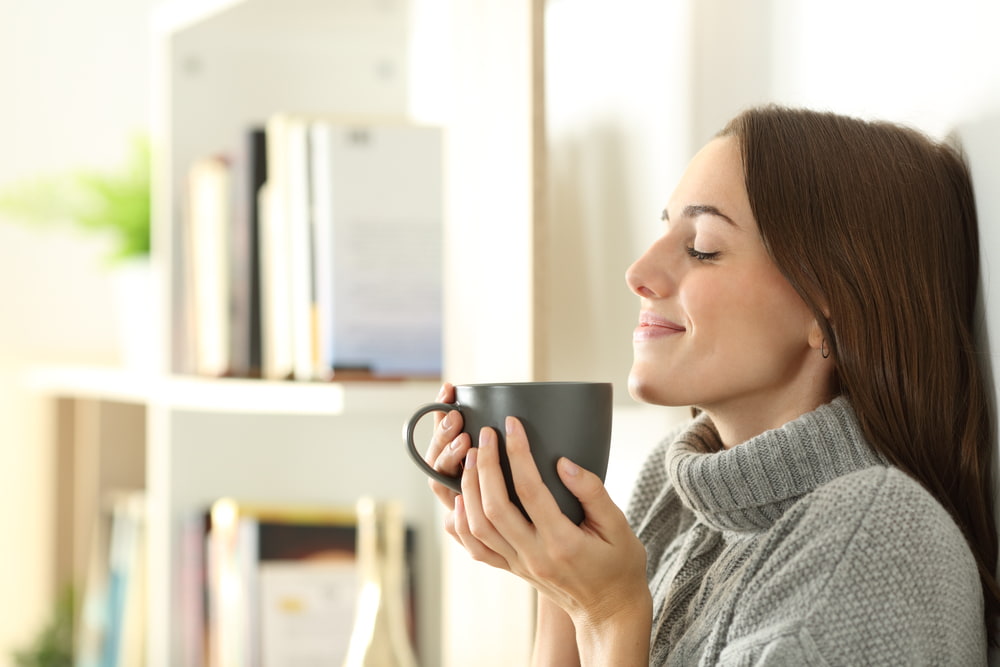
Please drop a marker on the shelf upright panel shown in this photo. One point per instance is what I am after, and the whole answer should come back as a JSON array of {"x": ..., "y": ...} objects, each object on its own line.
[{"x": 495, "y": 203}]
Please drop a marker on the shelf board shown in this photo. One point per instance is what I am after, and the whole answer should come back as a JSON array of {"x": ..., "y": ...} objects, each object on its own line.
[
  {"x": 231, "y": 395},
  {"x": 176, "y": 15}
]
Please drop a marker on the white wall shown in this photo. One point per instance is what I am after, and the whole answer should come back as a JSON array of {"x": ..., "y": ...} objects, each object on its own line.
[
  {"x": 930, "y": 64},
  {"x": 618, "y": 124},
  {"x": 73, "y": 80}
]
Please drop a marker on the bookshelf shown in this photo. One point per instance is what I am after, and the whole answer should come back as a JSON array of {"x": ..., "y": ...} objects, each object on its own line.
[
  {"x": 219, "y": 67},
  {"x": 189, "y": 441}
]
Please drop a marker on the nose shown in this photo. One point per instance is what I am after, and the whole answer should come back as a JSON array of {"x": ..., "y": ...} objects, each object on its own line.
[{"x": 649, "y": 276}]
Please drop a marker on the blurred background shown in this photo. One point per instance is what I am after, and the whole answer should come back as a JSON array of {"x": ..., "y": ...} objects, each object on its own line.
[
  {"x": 632, "y": 89},
  {"x": 75, "y": 85}
]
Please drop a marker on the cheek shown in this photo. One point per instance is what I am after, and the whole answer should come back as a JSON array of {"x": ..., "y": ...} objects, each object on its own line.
[
  {"x": 748, "y": 313},
  {"x": 712, "y": 302},
  {"x": 779, "y": 319}
]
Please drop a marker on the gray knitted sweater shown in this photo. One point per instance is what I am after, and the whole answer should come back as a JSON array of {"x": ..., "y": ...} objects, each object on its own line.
[{"x": 801, "y": 547}]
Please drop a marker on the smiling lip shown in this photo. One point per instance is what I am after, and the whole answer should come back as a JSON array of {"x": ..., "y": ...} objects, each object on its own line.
[{"x": 652, "y": 326}]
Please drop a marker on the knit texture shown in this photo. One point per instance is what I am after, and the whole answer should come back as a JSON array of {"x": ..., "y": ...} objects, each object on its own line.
[{"x": 801, "y": 546}]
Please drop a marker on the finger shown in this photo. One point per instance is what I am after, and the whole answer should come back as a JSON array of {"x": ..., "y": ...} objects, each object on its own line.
[
  {"x": 444, "y": 494},
  {"x": 445, "y": 395},
  {"x": 444, "y": 427},
  {"x": 535, "y": 497},
  {"x": 601, "y": 514},
  {"x": 449, "y": 524},
  {"x": 497, "y": 505},
  {"x": 477, "y": 549},
  {"x": 449, "y": 462},
  {"x": 478, "y": 525},
  {"x": 445, "y": 432}
]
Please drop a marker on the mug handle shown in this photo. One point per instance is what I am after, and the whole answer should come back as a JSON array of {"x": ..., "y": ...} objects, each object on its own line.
[{"x": 453, "y": 483}]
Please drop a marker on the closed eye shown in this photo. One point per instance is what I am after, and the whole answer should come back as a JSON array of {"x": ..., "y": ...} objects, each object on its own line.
[{"x": 701, "y": 256}]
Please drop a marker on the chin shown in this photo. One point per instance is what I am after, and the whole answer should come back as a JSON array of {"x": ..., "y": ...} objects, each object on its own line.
[{"x": 649, "y": 390}]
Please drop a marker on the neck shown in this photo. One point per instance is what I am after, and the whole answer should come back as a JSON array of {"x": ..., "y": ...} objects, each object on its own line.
[{"x": 738, "y": 420}]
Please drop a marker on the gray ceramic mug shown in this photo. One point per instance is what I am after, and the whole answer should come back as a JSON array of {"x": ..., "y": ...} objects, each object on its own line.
[{"x": 571, "y": 419}]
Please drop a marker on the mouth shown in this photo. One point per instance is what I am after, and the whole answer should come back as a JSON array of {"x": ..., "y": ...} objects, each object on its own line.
[{"x": 653, "y": 326}]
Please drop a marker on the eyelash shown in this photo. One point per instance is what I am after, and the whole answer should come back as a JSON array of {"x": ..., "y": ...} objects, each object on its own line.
[{"x": 701, "y": 256}]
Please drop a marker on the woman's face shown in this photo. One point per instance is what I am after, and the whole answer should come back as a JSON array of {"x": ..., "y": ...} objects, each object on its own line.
[{"x": 719, "y": 326}]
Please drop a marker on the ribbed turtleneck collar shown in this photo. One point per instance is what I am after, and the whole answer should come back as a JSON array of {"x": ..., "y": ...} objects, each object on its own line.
[{"x": 748, "y": 487}]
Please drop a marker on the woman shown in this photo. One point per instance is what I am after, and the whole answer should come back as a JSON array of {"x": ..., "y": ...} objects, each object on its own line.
[{"x": 813, "y": 295}]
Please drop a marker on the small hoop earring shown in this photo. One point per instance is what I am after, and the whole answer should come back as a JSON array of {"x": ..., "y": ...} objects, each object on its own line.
[{"x": 824, "y": 350}]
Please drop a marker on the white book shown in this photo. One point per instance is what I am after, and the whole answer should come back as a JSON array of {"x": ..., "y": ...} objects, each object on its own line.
[
  {"x": 321, "y": 171},
  {"x": 209, "y": 219},
  {"x": 300, "y": 239},
  {"x": 377, "y": 204},
  {"x": 306, "y": 611},
  {"x": 276, "y": 306}
]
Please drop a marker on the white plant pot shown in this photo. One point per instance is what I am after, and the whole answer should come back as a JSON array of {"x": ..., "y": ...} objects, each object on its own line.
[{"x": 134, "y": 298}]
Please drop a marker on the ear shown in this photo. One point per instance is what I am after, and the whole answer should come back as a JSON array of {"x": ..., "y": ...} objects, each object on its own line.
[{"x": 816, "y": 336}]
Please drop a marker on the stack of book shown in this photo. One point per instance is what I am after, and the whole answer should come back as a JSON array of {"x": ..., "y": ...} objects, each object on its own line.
[
  {"x": 113, "y": 613},
  {"x": 272, "y": 585},
  {"x": 313, "y": 252}
]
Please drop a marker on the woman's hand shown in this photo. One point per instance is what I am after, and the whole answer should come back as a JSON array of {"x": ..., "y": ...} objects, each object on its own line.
[
  {"x": 447, "y": 450},
  {"x": 596, "y": 571}
]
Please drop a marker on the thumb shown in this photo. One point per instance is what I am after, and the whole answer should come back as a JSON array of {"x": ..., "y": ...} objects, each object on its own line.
[{"x": 600, "y": 512}]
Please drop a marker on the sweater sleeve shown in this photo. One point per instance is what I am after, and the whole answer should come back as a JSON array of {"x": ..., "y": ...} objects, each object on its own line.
[{"x": 868, "y": 569}]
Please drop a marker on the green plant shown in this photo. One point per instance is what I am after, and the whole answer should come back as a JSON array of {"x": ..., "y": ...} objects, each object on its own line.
[
  {"x": 53, "y": 647},
  {"x": 115, "y": 202}
]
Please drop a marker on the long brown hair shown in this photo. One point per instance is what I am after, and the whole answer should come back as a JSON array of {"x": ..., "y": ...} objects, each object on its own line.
[{"x": 874, "y": 224}]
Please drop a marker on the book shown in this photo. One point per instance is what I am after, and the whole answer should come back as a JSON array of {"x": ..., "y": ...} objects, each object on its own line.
[
  {"x": 299, "y": 222},
  {"x": 277, "y": 328},
  {"x": 304, "y": 618},
  {"x": 209, "y": 219},
  {"x": 281, "y": 582},
  {"x": 113, "y": 612},
  {"x": 128, "y": 581},
  {"x": 249, "y": 173},
  {"x": 256, "y": 178},
  {"x": 193, "y": 589},
  {"x": 316, "y": 251},
  {"x": 377, "y": 215}
]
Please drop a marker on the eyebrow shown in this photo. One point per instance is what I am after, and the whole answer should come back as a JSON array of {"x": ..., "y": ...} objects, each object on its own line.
[{"x": 695, "y": 210}]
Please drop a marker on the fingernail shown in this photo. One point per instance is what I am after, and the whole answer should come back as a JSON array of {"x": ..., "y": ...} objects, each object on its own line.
[
  {"x": 486, "y": 437},
  {"x": 569, "y": 467},
  {"x": 510, "y": 424},
  {"x": 454, "y": 443},
  {"x": 441, "y": 392},
  {"x": 470, "y": 459},
  {"x": 444, "y": 422}
]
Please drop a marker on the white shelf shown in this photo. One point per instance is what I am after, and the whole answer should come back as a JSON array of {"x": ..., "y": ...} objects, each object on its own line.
[
  {"x": 94, "y": 382},
  {"x": 227, "y": 395},
  {"x": 179, "y": 14}
]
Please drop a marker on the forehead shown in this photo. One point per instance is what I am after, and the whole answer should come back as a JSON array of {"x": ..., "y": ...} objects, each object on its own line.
[{"x": 714, "y": 177}]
